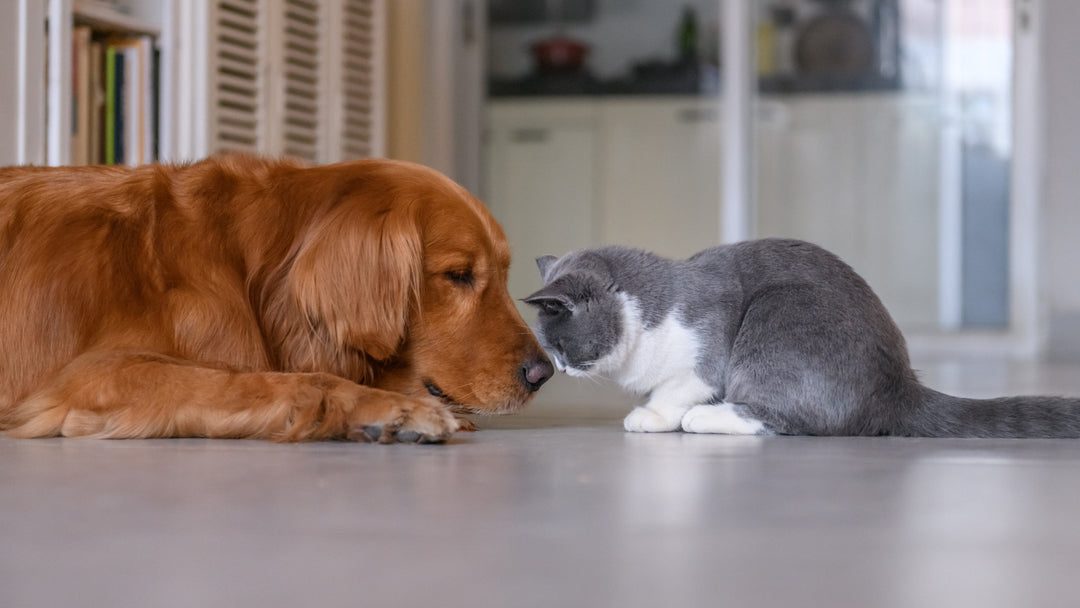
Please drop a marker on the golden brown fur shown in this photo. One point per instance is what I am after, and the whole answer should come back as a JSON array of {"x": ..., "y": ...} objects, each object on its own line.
[{"x": 242, "y": 297}]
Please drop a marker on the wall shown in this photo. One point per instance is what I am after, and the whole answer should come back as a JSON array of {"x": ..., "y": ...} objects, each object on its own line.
[
  {"x": 1060, "y": 213},
  {"x": 22, "y": 93},
  {"x": 436, "y": 85},
  {"x": 405, "y": 75},
  {"x": 9, "y": 93}
]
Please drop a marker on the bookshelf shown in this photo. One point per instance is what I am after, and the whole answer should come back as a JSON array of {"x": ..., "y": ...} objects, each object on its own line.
[
  {"x": 104, "y": 80},
  {"x": 303, "y": 78},
  {"x": 104, "y": 17}
]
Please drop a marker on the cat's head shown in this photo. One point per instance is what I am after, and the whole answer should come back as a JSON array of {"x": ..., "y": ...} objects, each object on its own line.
[{"x": 580, "y": 319}]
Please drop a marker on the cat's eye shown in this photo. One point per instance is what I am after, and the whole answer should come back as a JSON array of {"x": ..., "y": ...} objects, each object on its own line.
[
  {"x": 552, "y": 307},
  {"x": 463, "y": 278}
]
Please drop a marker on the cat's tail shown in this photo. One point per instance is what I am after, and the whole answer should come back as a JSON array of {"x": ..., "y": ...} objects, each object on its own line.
[{"x": 941, "y": 415}]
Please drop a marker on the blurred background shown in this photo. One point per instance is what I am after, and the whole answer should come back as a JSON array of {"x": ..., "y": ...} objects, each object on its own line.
[
  {"x": 930, "y": 143},
  {"x": 882, "y": 130}
]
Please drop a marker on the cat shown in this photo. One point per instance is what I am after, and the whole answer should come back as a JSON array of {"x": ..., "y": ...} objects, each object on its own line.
[{"x": 762, "y": 337}]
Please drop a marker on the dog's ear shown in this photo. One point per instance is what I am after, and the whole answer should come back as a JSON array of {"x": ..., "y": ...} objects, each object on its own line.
[{"x": 357, "y": 275}]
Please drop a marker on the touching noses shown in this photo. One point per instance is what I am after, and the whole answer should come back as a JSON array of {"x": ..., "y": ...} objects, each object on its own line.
[{"x": 535, "y": 372}]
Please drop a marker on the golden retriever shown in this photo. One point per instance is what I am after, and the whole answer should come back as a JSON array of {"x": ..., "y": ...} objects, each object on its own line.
[{"x": 252, "y": 298}]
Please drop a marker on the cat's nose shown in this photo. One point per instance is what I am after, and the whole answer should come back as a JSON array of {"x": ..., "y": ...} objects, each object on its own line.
[{"x": 536, "y": 372}]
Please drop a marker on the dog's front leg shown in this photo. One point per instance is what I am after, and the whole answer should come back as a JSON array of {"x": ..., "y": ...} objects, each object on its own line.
[{"x": 136, "y": 395}]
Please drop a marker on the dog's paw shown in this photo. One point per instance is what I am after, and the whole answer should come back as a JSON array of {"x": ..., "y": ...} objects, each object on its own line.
[
  {"x": 645, "y": 420},
  {"x": 407, "y": 421}
]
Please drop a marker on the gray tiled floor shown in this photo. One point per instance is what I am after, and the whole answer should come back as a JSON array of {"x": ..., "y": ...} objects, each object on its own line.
[{"x": 554, "y": 507}]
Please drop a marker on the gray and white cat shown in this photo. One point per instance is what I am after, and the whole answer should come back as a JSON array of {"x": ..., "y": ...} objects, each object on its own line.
[{"x": 771, "y": 336}]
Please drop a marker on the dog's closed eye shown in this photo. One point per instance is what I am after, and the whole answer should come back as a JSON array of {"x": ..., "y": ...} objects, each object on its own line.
[{"x": 463, "y": 277}]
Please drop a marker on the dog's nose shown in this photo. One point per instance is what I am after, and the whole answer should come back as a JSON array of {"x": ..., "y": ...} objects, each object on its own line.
[{"x": 536, "y": 372}]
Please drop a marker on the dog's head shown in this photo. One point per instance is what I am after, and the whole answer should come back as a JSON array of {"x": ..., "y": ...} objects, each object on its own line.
[{"x": 408, "y": 271}]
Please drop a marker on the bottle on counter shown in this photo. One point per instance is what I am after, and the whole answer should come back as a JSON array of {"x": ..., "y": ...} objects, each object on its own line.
[
  {"x": 766, "y": 42},
  {"x": 687, "y": 36},
  {"x": 783, "y": 18}
]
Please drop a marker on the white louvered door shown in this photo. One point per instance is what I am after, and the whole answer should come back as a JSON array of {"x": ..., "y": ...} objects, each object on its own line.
[
  {"x": 353, "y": 79},
  {"x": 297, "y": 107},
  {"x": 236, "y": 78},
  {"x": 301, "y": 78}
]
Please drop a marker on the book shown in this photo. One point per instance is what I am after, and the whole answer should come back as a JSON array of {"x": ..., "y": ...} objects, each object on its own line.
[
  {"x": 81, "y": 101},
  {"x": 96, "y": 129},
  {"x": 151, "y": 60},
  {"x": 155, "y": 105},
  {"x": 121, "y": 111},
  {"x": 110, "y": 105},
  {"x": 133, "y": 110},
  {"x": 138, "y": 84},
  {"x": 147, "y": 101}
]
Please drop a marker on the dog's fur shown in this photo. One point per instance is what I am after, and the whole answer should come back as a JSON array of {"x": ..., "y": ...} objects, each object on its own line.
[{"x": 244, "y": 297}]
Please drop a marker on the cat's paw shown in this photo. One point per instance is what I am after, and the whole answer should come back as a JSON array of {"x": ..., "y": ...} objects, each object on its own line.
[
  {"x": 720, "y": 418},
  {"x": 644, "y": 420}
]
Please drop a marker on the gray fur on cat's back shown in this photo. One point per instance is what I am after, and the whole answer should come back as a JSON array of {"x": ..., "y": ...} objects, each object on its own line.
[{"x": 789, "y": 332}]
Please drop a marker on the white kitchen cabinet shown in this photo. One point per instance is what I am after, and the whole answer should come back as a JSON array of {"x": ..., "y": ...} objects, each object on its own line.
[
  {"x": 541, "y": 181},
  {"x": 807, "y": 162},
  {"x": 862, "y": 176},
  {"x": 660, "y": 174},
  {"x": 858, "y": 174},
  {"x": 569, "y": 174}
]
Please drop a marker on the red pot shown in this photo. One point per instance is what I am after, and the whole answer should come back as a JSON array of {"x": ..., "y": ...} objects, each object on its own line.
[{"x": 559, "y": 54}]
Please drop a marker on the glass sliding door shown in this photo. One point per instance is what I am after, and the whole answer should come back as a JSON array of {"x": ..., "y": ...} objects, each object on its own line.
[{"x": 882, "y": 132}]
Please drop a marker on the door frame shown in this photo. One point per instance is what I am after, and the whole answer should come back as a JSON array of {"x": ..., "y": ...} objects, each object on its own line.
[
  {"x": 455, "y": 89},
  {"x": 1026, "y": 337}
]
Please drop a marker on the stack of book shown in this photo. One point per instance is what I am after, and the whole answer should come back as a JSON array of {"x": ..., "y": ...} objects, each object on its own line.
[{"x": 114, "y": 99}]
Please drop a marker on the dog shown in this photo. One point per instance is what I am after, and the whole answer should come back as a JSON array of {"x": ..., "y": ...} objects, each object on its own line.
[{"x": 242, "y": 297}]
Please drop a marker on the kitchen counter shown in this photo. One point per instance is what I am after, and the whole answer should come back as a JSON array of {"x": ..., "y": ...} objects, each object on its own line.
[{"x": 672, "y": 80}]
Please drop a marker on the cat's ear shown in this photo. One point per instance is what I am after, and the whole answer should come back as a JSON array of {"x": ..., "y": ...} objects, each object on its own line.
[
  {"x": 549, "y": 298},
  {"x": 544, "y": 263}
]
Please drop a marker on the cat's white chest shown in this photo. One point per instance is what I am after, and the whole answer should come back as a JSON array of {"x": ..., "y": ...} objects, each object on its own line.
[{"x": 646, "y": 358}]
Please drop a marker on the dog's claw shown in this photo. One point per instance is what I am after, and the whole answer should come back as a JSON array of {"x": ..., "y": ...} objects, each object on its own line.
[
  {"x": 373, "y": 432},
  {"x": 408, "y": 436}
]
